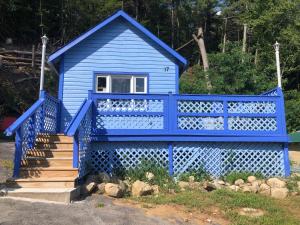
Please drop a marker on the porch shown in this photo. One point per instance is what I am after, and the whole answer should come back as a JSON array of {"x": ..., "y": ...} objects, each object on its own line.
[{"x": 116, "y": 131}]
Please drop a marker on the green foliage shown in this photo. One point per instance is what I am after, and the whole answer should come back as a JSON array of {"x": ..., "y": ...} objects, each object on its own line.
[
  {"x": 100, "y": 205},
  {"x": 292, "y": 183},
  {"x": 231, "y": 72},
  {"x": 275, "y": 212},
  {"x": 161, "y": 175},
  {"x": 292, "y": 109},
  {"x": 200, "y": 175},
  {"x": 233, "y": 176}
]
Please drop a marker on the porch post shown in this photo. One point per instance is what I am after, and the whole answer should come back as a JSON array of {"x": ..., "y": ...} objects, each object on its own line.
[
  {"x": 18, "y": 153},
  {"x": 287, "y": 169},
  {"x": 171, "y": 169},
  {"x": 75, "y": 150}
]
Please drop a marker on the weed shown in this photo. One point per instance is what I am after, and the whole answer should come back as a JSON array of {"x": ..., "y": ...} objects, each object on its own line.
[
  {"x": 233, "y": 176},
  {"x": 100, "y": 205},
  {"x": 7, "y": 164},
  {"x": 199, "y": 175},
  {"x": 292, "y": 183}
]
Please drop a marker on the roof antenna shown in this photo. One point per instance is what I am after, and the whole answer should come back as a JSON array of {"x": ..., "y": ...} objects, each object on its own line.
[{"x": 276, "y": 46}]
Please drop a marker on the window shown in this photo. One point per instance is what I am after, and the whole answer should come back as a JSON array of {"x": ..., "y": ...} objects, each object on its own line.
[{"x": 121, "y": 84}]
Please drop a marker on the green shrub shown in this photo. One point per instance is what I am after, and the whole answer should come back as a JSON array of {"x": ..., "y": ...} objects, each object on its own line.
[
  {"x": 292, "y": 183},
  {"x": 161, "y": 175},
  {"x": 233, "y": 176},
  {"x": 199, "y": 175}
]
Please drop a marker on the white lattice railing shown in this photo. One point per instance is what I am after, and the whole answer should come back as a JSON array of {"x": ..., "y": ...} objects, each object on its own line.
[{"x": 134, "y": 114}]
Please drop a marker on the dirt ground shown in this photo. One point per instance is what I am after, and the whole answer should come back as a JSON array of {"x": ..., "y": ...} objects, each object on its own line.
[
  {"x": 96, "y": 210},
  {"x": 6, "y": 158}
]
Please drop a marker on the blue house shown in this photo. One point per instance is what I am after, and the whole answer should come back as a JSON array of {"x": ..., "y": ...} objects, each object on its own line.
[{"x": 118, "y": 103}]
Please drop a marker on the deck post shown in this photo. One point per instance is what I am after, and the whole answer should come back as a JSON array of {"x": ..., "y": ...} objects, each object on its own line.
[
  {"x": 18, "y": 153},
  {"x": 287, "y": 169},
  {"x": 75, "y": 150},
  {"x": 171, "y": 169}
]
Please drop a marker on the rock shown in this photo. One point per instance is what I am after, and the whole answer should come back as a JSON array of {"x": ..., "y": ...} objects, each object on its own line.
[
  {"x": 183, "y": 185},
  {"x": 264, "y": 189},
  {"x": 114, "y": 190},
  {"x": 276, "y": 183},
  {"x": 155, "y": 189},
  {"x": 101, "y": 188},
  {"x": 246, "y": 189},
  {"x": 234, "y": 187},
  {"x": 88, "y": 188},
  {"x": 279, "y": 193},
  {"x": 93, "y": 178},
  {"x": 254, "y": 187},
  {"x": 104, "y": 177},
  {"x": 239, "y": 182},
  {"x": 191, "y": 179},
  {"x": 123, "y": 186},
  {"x": 140, "y": 188},
  {"x": 195, "y": 185},
  {"x": 221, "y": 182},
  {"x": 3, "y": 191},
  {"x": 211, "y": 186},
  {"x": 149, "y": 176},
  {"x": 251, "y": 179}
]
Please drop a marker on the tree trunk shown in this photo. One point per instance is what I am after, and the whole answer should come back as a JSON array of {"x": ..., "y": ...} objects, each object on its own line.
[
  {"x": 244, "y": 38},
  {"x": 224, "y": 37},
  {"x": 172, "y": 24},
  {"x": 200, "y": 41}
]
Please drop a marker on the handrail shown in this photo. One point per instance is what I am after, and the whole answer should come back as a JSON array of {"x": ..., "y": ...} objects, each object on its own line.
[
  {"x": 12, "y": 128},
  {"x": 73, "y": 126}
]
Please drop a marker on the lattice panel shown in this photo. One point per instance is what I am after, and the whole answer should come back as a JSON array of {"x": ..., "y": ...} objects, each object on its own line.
[
  {"x": 129, "y": 122},
  {"x": 200, "y": 123},
  {"x": 124, "y": 155},
  {"x": 50, "y": 114},
  {"x": 222, "y": 158},
  {"x": 193, "y": 106},
  {"x": 251, "y": 107},
  {"x": 252, "y": 123},
  {"x": 84, "y": 136},
  {"x": 130, "y": 105}
]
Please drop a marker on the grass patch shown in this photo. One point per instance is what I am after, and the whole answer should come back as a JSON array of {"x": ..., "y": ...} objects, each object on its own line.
[
  {"x": 277, "y": 212},
  {"x": 100, "y": 205},
  {"x": 233, "y": 176},
  {"x": 7, "y": 164}
]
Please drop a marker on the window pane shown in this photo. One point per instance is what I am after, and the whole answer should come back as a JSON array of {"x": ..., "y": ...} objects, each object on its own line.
[
  {"x": 120, "y": 85},
  {"x": 140, "y": 84},
  {"x": 102, "y": 84}
]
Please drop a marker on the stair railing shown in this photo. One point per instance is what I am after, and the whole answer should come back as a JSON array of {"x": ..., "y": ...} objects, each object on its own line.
[
  {"x": 41, "y": 117},
  {"x": 80, "y": 128}
]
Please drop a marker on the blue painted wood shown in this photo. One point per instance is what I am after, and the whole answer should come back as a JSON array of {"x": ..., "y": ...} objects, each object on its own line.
[
  {"x": 102, "y": 52},
  {"x": 71, "y": 130},
  {"x": 18, "y": 153},
  {"x": 170, "y": 155},
  {"x": 104, "y": 24},
  {"x": 75, "y": 150},
  {"x": 287, "y": 167},
  {"x": 17, "y": 124}
]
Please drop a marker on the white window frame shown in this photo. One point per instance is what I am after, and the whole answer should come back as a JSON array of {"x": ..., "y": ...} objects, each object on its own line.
[{"x": 132, "y": 83}]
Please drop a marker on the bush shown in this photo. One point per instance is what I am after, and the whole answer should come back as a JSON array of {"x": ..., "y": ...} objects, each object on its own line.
[
  {"x": 233, "y": 176},
  {"x": 199, "y": 175},
  {"x": 161, "y": 175},
  {"x": 292, "y": 183}
]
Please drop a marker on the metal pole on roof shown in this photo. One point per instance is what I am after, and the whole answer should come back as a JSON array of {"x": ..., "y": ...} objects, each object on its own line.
[
  {"x": 276, "y": 46},
  {"x": 44, "y": 41}
]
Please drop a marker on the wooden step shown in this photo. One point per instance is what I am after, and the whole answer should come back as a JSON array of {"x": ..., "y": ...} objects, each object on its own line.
[
  {"x": 57, "y": 182},
  {"x": 55, "y": 145},
  {"x": 50, "y": 172},
  {"x": 52, "y": 153},
  {"x": 46, "y": 162},
  {"x": 48, "y": 138}
]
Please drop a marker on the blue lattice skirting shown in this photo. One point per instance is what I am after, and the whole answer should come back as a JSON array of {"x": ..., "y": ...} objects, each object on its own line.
[{"x": 179, "y": 157}]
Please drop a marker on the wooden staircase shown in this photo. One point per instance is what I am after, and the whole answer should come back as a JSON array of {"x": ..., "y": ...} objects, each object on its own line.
[{"x": 48, "y": 165}]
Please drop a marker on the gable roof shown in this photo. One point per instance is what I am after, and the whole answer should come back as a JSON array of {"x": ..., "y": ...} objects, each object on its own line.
[{"x": 133, "y": 22}]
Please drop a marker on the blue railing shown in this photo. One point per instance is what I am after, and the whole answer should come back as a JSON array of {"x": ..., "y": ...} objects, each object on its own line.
[
  {"x": 240, "y": 116},
  {"x": 80, "y": 129},
  {"x": 41, "y": 117}
]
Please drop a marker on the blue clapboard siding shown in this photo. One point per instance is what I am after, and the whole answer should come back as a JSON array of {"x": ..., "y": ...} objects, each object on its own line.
[{"x": 119, "y": 47}]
